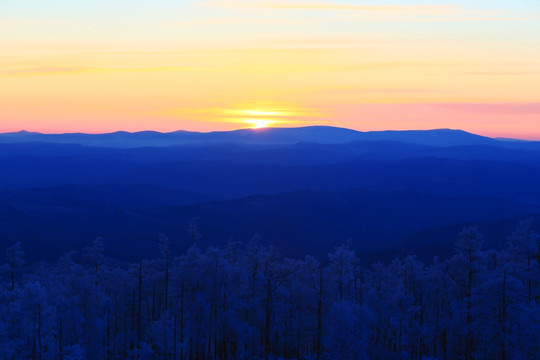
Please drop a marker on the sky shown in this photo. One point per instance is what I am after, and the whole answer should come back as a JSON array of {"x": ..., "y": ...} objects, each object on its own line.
[{"x": 207, "y": 65}]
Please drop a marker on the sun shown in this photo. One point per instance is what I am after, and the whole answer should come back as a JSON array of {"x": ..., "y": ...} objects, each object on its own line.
[
  {"x": 259, "y": 123},
  {"x": 259, "y": 116}
]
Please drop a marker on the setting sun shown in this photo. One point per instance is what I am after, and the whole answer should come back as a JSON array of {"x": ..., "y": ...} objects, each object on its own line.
[
  {"x": 259, "y": 123},
  {"x": 262, "y": 115}
]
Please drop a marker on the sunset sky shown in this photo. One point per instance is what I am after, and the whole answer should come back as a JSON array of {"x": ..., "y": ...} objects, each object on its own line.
[{"x": 101, "y": 66}]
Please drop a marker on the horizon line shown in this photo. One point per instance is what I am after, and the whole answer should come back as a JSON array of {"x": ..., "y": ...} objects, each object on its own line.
[{"x": 259, "y": 129}]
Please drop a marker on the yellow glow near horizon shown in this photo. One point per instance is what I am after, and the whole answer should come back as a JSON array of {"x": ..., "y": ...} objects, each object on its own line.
[
  {"x": 259, "y": 123},
  {"x": 262, "y": 113}
]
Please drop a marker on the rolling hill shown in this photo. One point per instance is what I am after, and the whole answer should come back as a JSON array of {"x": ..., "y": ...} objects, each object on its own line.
[{"x": 305, "y": 190}]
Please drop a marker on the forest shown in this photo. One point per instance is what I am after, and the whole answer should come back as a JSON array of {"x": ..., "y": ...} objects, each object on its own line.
[{"x": 245, "y": 301}]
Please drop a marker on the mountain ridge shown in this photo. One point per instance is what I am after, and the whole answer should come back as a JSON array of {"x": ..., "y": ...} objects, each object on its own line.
[
  {"x": 271, "y": 135},
  {"x": 297, "y": 222}
]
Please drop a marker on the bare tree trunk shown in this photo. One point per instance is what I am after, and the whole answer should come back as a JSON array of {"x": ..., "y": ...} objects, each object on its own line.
[
  {"x": 12, "y": 279},
  {"x": 319, "y": 314},
  {"x": 109, "y": 353},
  {"x": 469, "y": 341},
  {"x": 60, "y": 341},
  {"x": 139, "y": 306},
  {"x": 174, "y": 338},
  {"x": 154, "y": 302},
  {"x": 503, "y": 318},
  {"x": 39, "y": 332},
  {"x": 268, "y": 319},
  {"x": 182, "y": 321},
  {"x": 166, "y": 283}
]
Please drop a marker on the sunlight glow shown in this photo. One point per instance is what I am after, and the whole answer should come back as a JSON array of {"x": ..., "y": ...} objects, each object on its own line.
[
  {"x": 259, "y": 123},
  {"x": 262, "y": 115},
  {"x": 262, "y": 112}
]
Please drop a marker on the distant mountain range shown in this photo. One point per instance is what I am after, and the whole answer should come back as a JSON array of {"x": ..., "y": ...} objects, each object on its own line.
[
  {"x": 305, "y": 190},
  {"x": 310, "y": 134},
  {"x": 56, "y": 220}
]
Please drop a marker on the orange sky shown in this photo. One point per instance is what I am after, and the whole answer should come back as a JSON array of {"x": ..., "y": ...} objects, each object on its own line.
[{"x": 220, "y": 65}]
